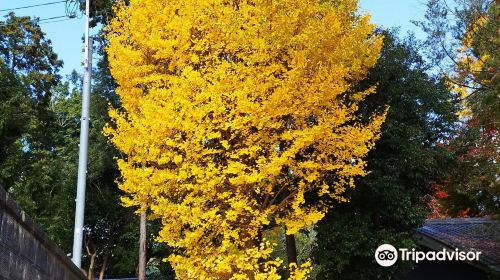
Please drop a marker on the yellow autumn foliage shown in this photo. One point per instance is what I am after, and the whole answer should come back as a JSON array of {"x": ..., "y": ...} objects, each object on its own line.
[
  {"x": 236, "y": 116},
  {"x": 468, "y": 66}
]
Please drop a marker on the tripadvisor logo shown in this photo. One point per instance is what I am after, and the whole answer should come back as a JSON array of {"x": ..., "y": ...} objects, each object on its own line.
[{"x": 387, "y": 255}]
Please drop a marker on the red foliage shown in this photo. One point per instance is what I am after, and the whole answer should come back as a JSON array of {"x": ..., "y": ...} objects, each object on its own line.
[
  {"x": 441, "y": 194},
  {"x": 434, "y": 203},
  {"x": 463, "y": 213}
]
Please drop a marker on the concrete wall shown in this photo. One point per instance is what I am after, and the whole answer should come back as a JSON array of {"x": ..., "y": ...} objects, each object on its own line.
[{"x": 26, "y": 253}]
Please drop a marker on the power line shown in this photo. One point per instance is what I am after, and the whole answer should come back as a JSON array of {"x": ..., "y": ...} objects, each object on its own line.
[
  {"x": 31, "y": 6},
  {"x": 50, "y": 18},
  {"x": 66, "y": 19},
  {"x": 39, "y": 21}
]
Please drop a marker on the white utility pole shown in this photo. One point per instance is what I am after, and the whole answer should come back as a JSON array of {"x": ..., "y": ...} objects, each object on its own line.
[{"x": 84, "y": 138}]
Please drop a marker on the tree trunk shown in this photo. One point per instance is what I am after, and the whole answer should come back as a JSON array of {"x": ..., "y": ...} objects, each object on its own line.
[
  {"x": 142, "y": 246},
  {"x": 92, "y": 255},
  {"x": 291, "y": 250},
  {"x": 103, "y": 267},
  {"x": 90, "y": 275}
]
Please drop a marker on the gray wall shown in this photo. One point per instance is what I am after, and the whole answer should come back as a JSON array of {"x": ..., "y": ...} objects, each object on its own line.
[{"x": 26, "y": 253}]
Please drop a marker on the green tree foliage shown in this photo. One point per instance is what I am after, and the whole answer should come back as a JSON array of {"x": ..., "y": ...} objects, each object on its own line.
[
  {"x": 390, "y": 202},
  {"x": 26, "y": 51},
  {"x": 39, "y": 137},
  {"x": 30, "y": 167},
  {"x": 30, "y": 56},
  {"x": 13, "y": 122}
]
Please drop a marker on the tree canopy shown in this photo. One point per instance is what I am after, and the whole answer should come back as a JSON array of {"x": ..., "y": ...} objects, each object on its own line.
[{"x": 237, "y": 116}]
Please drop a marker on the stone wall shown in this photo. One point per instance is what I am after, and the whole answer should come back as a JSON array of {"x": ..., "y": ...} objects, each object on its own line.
[{"x": 26, "y": 253}]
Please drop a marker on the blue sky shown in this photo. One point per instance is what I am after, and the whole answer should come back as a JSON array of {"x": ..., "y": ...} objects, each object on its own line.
[{"x": 66, "y": 36}]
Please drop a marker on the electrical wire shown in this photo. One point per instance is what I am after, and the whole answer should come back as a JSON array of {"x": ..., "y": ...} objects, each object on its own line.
[
  {"x": 45, "y": 22},
  {"x": 50, "y": 18},
  {"x": 31, "y": 6},
  {"x": 71, "y": 10},
  {"x": 40, "y": 21}
]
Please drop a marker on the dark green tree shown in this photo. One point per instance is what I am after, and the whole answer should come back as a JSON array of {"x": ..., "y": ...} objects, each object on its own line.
[
  {"x": 391, "y": 201},
  {"x": 31, "y": 165},
  {"x": 14, "y": 118}
]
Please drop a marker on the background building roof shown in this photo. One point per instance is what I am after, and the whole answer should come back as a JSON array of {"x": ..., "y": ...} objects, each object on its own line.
[{"x": 466, "y": 234}]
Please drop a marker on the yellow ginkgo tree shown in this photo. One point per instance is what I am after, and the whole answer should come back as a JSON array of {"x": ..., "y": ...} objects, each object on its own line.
[{"x": 239, "y": 116}]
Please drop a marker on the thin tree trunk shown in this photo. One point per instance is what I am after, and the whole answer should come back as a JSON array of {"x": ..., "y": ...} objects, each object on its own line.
[
  {"x": 142, "y": 246},
  {"x": 103, "y": 267},
  {"x": 90, "y": 274},
  {"x": 291, "y": 250}
]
